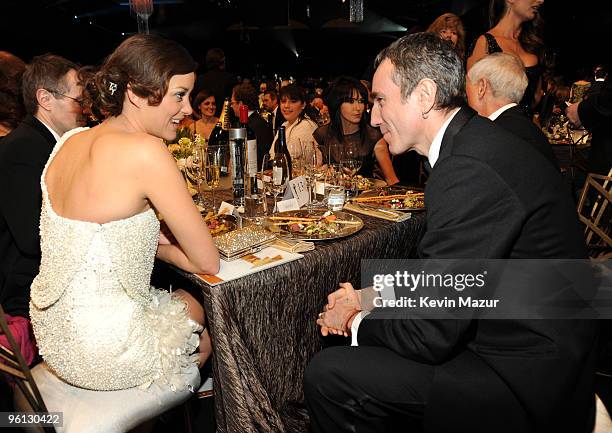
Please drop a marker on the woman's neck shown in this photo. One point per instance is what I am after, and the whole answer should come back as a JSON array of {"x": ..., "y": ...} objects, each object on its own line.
[
  {"x": 208, "y": 119},
  {"x": 509, "y": 26},
  {"x": 349, "y": 128}
]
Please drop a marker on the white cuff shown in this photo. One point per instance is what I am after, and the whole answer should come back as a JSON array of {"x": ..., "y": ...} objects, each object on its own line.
[{"x": 355, "y": 326}]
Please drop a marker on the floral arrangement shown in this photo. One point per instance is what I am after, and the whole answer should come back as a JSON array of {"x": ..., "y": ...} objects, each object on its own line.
[{"x": 183, "y": 146}]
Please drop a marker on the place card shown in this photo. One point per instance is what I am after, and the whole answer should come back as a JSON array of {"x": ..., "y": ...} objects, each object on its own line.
[
  {"x": 225, "y": 208},
  {"x": 298, "y": 189},
  {"x": 289, "y": 204}
]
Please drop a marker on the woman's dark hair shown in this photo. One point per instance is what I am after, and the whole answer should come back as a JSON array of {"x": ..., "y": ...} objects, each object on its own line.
[
  {"x": 294, "y": 93},
  {"x": 202, "y": 95},
  {"x": 11, "y": 102},
  {"x": 145, "y": 63},
  {"x": 341, "y": 91},
  {"x": 530, "y": 37}
]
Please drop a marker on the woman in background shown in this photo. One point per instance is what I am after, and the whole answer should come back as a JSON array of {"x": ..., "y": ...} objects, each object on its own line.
[
  {"x": 298, "y": 125},
  {"x": 205, "y": 107},
  {"x": 347, "y": 100},
  {"x": 516, "y": 28},
  {"x": 449, "y": 27}
]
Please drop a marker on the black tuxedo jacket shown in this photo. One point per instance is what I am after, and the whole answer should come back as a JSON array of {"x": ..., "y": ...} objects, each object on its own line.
[
  {"x": 484, "y": 201},
  {"x": 515, "y": 121},
  {"x": 278, "y": 119},
  {"x": 263, "y": 132},
  {"x": 595, "y": 113},
  {"x": 23, "y": 155}
]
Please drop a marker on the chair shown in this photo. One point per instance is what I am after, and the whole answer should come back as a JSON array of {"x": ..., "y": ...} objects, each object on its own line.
[
  {"x": 579, "y": 140},
  {"x": 597, "y": 191},
  {"x": 13, "y": 364},
  {"x": 86, "y": 410}
]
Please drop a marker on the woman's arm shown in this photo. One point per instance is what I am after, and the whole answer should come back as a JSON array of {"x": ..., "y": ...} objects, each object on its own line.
[
  {"x": 164, "y": 187},
  {"x": 381, "y": 151},
  {"x": 479, "y": 51}
]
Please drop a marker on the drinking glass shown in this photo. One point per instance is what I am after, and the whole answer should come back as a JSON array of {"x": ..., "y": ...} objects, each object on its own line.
[
  {"x": 275, "y": 175},
  {"x": 351, "y": 161},
  {"x": 297, "y": 159},
  {"x": 212, "y": 170},
  {"x": 313, "y": 172}
]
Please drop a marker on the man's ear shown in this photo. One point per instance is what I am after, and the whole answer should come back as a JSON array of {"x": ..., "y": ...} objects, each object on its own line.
[
  {"x": 43, "y": 98},
  {"x": 483, "y": 86},
  {"x": 427, "y": 90}
]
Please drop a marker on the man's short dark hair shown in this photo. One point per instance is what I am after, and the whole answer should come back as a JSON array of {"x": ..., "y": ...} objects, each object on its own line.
[
  {"x": 247, "y": 94},
  {"x": 44, "y": 72},
  {"x": 273, "y": 94},
  {"x": 424, "y": 55}
]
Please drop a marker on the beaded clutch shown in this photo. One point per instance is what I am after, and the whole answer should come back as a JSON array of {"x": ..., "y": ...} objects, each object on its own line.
[{"x": 240, "y": 242}]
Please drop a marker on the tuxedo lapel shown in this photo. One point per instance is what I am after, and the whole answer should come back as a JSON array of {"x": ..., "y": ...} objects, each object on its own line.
[
  {"x": 40, "y": 128},
  {"x": 462, "y": 117}
]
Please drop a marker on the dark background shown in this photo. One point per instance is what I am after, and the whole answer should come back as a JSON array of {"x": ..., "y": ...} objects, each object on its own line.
[{"x": 262, "y": 37}]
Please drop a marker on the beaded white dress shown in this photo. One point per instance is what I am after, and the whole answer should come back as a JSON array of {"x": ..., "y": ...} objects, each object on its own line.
[{"x": 98, "y": 323}]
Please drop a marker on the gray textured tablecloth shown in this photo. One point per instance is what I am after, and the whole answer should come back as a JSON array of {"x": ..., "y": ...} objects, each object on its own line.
[{"x": 263, "y": 326}]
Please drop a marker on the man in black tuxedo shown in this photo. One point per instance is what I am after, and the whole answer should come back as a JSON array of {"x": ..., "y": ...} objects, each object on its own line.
[
  {"x": 219, "y": 81},
  {"x": 595, "y": 114},
  {"x": 247, "y": 95},
  {"x": 270, "y": 103},
  {"x": 52, "y": 96},
  {"x": 494, "y": 86},
  {"x": 490, "y": 195}
]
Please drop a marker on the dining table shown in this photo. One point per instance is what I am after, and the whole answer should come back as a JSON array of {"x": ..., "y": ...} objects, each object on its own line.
[{"x": 263, "y": 326}]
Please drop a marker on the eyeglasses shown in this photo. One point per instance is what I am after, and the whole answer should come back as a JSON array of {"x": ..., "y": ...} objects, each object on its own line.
[
  {"x": 58, "y": 93},
  {"x": 234, "y": 102},
  {"x": 354, "y": 100}
]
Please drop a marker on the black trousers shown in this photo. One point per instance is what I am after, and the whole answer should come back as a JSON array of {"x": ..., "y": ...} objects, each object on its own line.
[{"x": 366, "y": 389}]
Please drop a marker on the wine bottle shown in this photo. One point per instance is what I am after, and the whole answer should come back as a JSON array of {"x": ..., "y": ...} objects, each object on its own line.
[
  {"x": 237, "y": 140},
  {"x": 254, "y": 200},
  {"x": 280, "y": 146},
  {"x": 220, "y": 137}
]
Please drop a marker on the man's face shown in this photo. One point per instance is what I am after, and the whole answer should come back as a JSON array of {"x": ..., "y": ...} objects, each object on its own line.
[
  {"x": 269, "y": 103},
  {"x": 400, "y": 121},
  {"x": 235, "y": 103},
  {"x": 66, "y": 112}
]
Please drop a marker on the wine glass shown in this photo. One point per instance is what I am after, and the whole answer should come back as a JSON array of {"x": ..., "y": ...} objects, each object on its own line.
[
  {"x": 193, "y": 171},
  {"x": 275, "y": 175},
  {"x": 212, "y": 169},
  {"x": 313, "y": 171},
  {"x": 350, "y": 161},
  {"x": 297, "y": 159}
]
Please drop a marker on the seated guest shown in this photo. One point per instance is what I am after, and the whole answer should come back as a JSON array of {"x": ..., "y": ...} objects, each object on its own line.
[
  {"x": 99, "y": 324},
  {"x": 247, "y": 95},
  {"x": 270, "y": 104},
  {"x": 449, "y": 27},
  {"x": 347, "y": 99},
  {"x": 495, "y": 85},
  {"x": 11, "y": 103},
  {"x": 51, "y": 95},
  {"x": 298, "y": 126},
  {"x": 595, "y": 114},
  {"x": 490, "y": 195},
  {"x": 205, "y": 106}
]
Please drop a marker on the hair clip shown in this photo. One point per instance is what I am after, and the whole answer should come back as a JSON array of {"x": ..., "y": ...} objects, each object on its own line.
[{"x": 112, "y": 88}]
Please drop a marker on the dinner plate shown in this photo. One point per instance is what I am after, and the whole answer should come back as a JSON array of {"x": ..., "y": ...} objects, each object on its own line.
[
  {"x": 220, "y": 224},
  {"x": 300, "y": 224},
  {"x": 367, "y": 183},
  {"x": 398, "y": 204}
]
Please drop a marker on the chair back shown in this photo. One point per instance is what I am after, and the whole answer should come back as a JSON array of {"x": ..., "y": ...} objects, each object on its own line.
[
  {"x": 595, "y": 212},
  {"x": 14, "y": 365}
]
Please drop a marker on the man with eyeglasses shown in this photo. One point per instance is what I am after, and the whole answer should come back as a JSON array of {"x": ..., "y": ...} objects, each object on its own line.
[{"x": 52, "y": 99}]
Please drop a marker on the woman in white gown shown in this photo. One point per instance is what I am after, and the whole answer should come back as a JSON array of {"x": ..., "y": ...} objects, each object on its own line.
[{"x": 98, "y": 323}]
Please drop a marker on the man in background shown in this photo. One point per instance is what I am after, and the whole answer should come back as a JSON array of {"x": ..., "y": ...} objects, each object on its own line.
[
  {"x": 494, "y": 86},
  {"x": 52, "y": 99}
]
